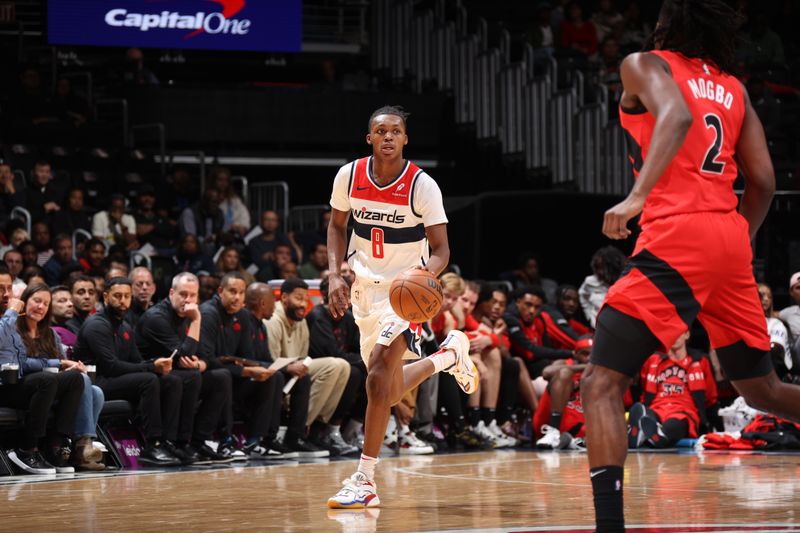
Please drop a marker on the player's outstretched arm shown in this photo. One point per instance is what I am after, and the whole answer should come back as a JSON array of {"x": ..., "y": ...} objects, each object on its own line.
[
  {"x": 440, "y": 248},
  {"x": 756, "y": 165},
  {"x": 646, "y": 78},
  {"x": 338, "y": 290}
]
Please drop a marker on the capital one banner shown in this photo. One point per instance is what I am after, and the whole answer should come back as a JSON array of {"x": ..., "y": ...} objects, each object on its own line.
[{"x": 259, "y": 25}]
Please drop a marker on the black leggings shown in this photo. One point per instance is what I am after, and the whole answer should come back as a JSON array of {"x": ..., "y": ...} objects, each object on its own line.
[
  {"x": 37, "y": 393},
  {"x": 353, "y": 401}
]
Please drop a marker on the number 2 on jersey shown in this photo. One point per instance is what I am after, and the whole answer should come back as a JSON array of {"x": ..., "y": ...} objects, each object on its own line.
[
  {"x": 710, "y": 163},
  {"x": 377, "y": 243}
]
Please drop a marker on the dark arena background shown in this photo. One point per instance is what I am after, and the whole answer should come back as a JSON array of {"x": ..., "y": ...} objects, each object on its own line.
[{"x": 144, "y": 138}]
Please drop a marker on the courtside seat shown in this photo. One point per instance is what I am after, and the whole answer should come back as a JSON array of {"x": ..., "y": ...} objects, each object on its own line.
[
  {"x": 112, "y": 408},
  {"x": 10, "y": 417}
]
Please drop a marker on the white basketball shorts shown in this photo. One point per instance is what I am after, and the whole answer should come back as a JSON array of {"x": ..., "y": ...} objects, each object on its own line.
[{"x": 377, "y": 322}]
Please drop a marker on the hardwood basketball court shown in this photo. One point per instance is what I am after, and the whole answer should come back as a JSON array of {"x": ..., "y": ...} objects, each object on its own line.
[{"x": 519, "y": 490}]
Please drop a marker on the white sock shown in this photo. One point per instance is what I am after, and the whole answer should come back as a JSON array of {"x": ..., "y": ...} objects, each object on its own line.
[
  {"x": 442, "y": 359},
  {"x": 333, "y": 428},
  {"x": 367, "y": 466}
]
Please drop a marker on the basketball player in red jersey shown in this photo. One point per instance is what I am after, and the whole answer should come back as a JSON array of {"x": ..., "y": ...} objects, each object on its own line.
[
  {"x": 398, "y": 223},
  {"x": 688, "y": 123}
]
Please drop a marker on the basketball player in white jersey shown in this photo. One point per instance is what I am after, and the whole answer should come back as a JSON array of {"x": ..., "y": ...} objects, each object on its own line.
[{"x": 398, "y": 223}]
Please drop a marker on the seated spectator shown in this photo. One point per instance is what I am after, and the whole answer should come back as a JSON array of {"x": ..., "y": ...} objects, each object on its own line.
[
  {"x": 151, "y": 227},
  {"x": 180, "y": 194},
  {"x": 452, "y": 315},
  {"x": 62, "y": 311},
  {"x": 237, "y": 216},
  {"x": 115, "y": 270},
  {"x": 289, "y": 337},
  {"x": 339, "y": 338},
  {"x": 41, "y": 239},
  {"x": 13, "y": 260},
  {"x": 100, "y": 288},
  {"x": 29, "y": 107},
  {"x": 791, "y": 315},
  {"x": 679, "y": 388},
  {"x": 190, "y": 258},
  {"x": 226, "y": 332},
  {"x": 136, "y": 74},
  {"x": 528, "y": 274},
  {"x": 30, "y": 255},
  {"x": 606, "y": 19},
  {"x": 117, "y": 259},
  {"x": 204, "y": 220},
  {"x": 260, "y": 306},
  {"x": 43, "y": 196},
  {"x": 61, "y": 263},
  {"x": 6, "y": 289},
  {"x": 69, "y": 107},
  {"x": 107, "y": 341},
  {"x": 306, "y": 240},
  {"x": 94, "y": 254},
  {"x": 317, "y": 262},
  {"x": 18, "y": 236},
  {"x": 73, "y": 216},
  {"x": 84, "y": 298},
  {"x": 569, "y": 308},
  {"x": 26, "y": 337},
  {"x": 607, "y": 62},
  {"x": 33, "y": 274},
  {"x": 288, "y": 270},
  {"x": 143, "y": 288},
  {"x": 10, "y": 196},
  {"x": 541, "y": 35},
  {"x": 779, "y": 339},
  {"x": 209, "y": 285},
  {"x": 171, "y": 329},
  {"x": 577, "y": 33},
  {"x": 607, "y": 264},
  {"x": 230, "y": 261},
  {"x": 282, "y": 256},
  {"x": 526, "y": 330},
  {"x": 635, "y": 30},
  {"x": 114, "y": 226},
  {"x": 486, "y": 332},
  {"x": 559, "y": 417},
  {"x": 262, "y": 247}
]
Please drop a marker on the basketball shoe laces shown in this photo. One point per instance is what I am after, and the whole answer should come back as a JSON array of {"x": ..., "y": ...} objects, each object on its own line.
[{"x": 352, "y": 487}]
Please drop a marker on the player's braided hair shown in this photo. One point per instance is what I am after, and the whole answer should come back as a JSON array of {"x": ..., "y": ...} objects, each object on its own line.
[
  {"x": 389, "y": 110},
  {"x": 698, "y": 28}
]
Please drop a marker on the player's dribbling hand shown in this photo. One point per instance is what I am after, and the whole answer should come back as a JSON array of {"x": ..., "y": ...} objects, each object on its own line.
[
  {"x": 338, "y": 295},
  {"x": 615, "y": 221}
]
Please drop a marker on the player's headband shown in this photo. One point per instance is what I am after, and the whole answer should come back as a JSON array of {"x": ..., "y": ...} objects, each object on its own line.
[{"x": 584, "y": 344}]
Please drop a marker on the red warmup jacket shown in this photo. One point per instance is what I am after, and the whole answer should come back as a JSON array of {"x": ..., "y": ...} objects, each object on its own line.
[
  {"x": 471, "y": 326},
  {"x": 679, "y": 389}
]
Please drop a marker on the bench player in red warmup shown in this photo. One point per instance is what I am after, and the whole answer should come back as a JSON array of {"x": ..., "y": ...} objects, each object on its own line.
[
  {"x": 398, "y": 223},
  {"x": 690, "y": 127}
]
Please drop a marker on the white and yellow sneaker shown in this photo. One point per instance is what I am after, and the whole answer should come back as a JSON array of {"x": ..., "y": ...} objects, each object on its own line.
[
  {"x": 357, "y": 492},
  {"x": 464, "y": 370}
]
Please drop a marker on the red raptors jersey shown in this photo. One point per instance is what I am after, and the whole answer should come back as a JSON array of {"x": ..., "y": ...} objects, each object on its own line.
[
  {"x": 672, "y": 382},
  {"x": 701, "y": 175}
]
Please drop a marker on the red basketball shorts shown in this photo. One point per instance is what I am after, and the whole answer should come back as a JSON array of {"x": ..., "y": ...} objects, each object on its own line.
[{"x": 696, "y": 265}]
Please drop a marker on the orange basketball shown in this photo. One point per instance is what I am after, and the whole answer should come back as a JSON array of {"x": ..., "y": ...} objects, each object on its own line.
[{"x": 415, "y": 295}]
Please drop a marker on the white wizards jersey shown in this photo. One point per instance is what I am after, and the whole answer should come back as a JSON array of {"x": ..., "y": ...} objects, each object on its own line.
[{"x": 389, "y": 221}]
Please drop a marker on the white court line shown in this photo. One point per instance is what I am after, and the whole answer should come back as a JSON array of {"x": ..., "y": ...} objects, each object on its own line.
[
  {"x": 411, "y": 472},
  {"x": 735, "y": 528}
]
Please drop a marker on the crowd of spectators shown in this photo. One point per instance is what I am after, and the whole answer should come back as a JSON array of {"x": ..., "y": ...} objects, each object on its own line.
[
  {"x": 204, "y": 326},
  {"x": 219, "y": 336},
  {"x": 594, "y": 36}
]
